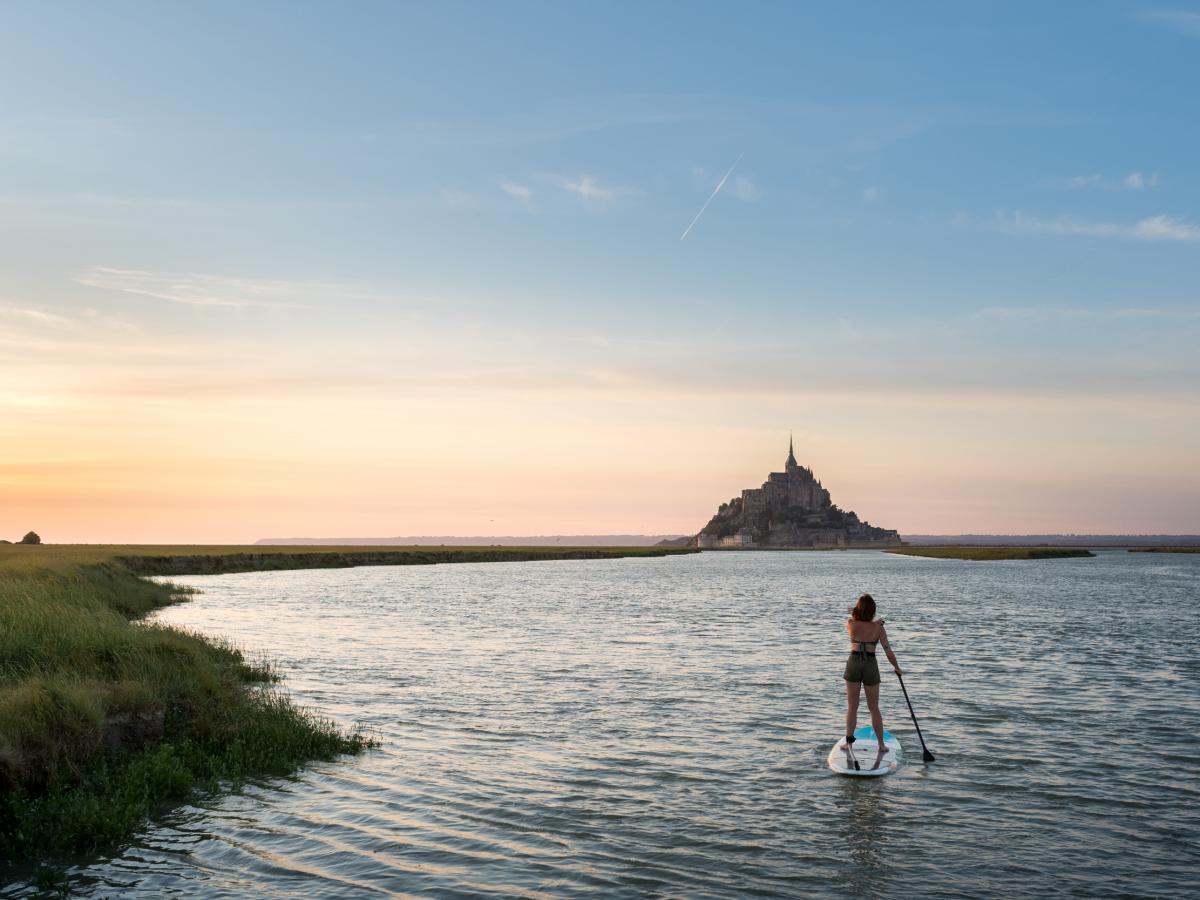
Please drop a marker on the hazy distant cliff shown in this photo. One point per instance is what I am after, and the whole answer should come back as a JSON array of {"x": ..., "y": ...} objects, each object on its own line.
[{"x": 791, "y": 509}]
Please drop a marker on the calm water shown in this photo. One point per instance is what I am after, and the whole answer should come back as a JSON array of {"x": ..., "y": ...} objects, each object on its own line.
[{"x": 660, "y": 726}]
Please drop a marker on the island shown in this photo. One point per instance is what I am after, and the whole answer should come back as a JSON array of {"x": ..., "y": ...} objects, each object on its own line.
[{"x": 792, "y": 510}]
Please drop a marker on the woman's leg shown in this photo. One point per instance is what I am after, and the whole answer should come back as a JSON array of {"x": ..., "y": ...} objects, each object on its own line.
[
  {"x": 876, "y": 715},
  {"x": 852, "y": 691}
]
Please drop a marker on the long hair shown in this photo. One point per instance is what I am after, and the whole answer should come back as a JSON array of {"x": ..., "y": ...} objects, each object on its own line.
[{"x": 864, "y": 609}]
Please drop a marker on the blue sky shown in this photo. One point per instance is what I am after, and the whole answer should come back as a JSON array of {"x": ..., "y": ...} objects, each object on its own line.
[{"x": 988, "y": 205}]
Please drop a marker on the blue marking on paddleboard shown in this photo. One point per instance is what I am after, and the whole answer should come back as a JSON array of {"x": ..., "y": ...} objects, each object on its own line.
[{"x": 868, "y": 732}]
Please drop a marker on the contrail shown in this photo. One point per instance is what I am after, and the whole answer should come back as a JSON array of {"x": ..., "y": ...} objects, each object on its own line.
[{"x": 716, "y": 190}]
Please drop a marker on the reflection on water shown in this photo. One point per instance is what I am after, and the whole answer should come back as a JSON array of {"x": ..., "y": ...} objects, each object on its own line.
[
  {"x": 865, "y": 805},
  {"x": 660, "y": 726}
]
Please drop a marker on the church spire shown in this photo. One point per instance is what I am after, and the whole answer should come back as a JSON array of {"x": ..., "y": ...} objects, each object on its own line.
[{"x": 791, "y": 460}]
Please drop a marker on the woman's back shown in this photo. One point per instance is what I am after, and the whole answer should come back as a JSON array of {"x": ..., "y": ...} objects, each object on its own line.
[{"x": 864, "y": 634}]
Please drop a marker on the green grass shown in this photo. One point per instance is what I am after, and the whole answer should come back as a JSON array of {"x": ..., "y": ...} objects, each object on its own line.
[
  {"x": 1164, "y": 549},
  {"x": 992, "y": 553},
  {"x": 195, "y": 561},
  {"x": 201, "y": 559},
  {"x": 103, "y": 717}
]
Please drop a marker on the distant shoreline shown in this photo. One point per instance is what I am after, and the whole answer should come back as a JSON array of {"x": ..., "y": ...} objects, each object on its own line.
[
  {"x": 994, "y": 553},
  {"x": 1053, "y": 540},
  {"x": 677, "y": 540},
  {"x": 509, "y": 540},
  {"x": 203, "y": 561},
  {"x": 1177, "y": 549}
]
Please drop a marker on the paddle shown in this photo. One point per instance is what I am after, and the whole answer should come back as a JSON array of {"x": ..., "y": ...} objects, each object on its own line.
[{"x": 928, "y": 756}]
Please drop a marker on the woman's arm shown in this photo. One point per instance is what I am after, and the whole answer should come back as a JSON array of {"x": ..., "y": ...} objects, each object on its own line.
[{"x": 887, "y": 648}]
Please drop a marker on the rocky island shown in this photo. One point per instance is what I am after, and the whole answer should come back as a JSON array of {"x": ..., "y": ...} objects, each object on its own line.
[{"x": 790, "y": 510}]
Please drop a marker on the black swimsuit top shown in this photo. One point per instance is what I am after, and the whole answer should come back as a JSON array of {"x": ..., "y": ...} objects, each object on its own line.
[{"x": 862, "y": 646}]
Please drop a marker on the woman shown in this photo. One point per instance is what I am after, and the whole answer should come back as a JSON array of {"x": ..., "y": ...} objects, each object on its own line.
[{"x": 862, "y": 671}]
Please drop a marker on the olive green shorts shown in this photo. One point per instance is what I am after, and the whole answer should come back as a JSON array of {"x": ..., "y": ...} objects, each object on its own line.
[{"x": 862, "y": 668}]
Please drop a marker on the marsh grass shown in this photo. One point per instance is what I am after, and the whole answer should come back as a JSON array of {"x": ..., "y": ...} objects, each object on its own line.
[
  {"x": 993, "y": 553},
  {"x": 103, "y": 718},
  {"x": 259, "y": 559},
  {"x": 1164, "y": 549}
]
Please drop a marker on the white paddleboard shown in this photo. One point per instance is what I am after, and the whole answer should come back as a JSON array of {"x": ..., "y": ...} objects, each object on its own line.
[{"x": 866, "y": 751}]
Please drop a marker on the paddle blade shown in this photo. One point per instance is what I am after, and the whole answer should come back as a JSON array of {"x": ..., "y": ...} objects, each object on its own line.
[{"x": 928, "y": 755}]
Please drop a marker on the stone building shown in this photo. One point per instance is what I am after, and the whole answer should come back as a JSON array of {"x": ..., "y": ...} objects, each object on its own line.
[
  {"x": 795, "y": 486},
  {"x": 791, "y": 509}
]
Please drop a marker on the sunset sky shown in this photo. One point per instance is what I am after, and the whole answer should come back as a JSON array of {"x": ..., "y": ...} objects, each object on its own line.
[{"x": 326, "y": 269}]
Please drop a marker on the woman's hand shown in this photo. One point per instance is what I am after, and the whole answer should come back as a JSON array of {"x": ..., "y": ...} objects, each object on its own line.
[{"x": 898, "y": 671}]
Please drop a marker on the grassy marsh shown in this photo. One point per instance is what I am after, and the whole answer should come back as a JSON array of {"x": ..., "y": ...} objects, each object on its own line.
[
  {"x": 1164, "y": 549},
  {"x": 994, "y": 553}
]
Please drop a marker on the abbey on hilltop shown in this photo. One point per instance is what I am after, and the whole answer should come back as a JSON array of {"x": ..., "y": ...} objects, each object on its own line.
[{"x": 791, "y": 509}]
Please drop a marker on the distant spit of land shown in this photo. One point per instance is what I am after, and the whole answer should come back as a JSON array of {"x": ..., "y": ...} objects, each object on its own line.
[
  {"x": 536, "y": 540},
  {"x": 677, "y": 540},
  {"x": 1054, "y": 540},
  {"x": 994, "y": 553}
]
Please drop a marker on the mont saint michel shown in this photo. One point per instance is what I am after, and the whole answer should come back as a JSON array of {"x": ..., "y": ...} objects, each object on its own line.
[{"x": 791, "y": 509}]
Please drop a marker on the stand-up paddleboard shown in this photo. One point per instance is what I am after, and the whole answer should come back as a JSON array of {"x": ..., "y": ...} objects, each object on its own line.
[{"x": 866, "y": 751}]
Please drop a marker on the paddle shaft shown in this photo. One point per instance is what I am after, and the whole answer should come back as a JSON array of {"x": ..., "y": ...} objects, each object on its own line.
[{"x": 928, "y": 755}]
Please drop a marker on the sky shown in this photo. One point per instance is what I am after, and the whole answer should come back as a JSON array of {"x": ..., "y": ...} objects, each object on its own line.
[{"x": 318, "y": 269}]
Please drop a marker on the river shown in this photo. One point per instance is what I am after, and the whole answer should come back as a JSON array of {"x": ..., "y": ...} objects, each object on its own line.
[{"x": 659, "y": 727}]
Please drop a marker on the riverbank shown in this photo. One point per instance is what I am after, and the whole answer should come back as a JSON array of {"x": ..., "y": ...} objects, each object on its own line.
[
  {"x": 1164, "y": 549},
  {"x": 202, "y": 561},
  {"x": 104, "y": 718},
  {"x": 993, "y": 553}
]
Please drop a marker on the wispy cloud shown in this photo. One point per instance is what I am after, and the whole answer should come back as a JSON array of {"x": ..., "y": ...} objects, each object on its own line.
[
  {"x": 34, "y": 338},
  {"x": 1178, "y": 20},
  {"x": 33, "y": 315},
  {"x": 456, "y": 198},
  {"x": 1166, "y": 228},
  {"x": 586, "y": 186},
  {"x": 1077, "y": 313},
  {"x": 554, "y": 123},
  {"x": 1135, "y": 181},
  {"x": 1154, "y": 228},
  {"x": 744, "y": 189},
  {"x": 870, "y": 194},
  {"x": 120, "y": 200},
  {"x": 1074, "y": 182},
  {"x": 521, "y": 192},
  {"x": 194, "y": 289}
]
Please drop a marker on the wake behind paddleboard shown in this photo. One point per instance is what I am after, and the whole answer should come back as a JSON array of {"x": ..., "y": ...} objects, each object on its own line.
[{"x": 871, "y": 762}]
